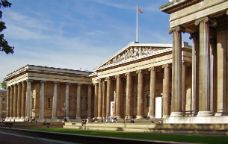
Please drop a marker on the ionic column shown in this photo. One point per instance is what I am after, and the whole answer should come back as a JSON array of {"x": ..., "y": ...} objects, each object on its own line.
[
  {"x": 128, "y": 95},
  {"x": 18, "y": 100},
  {"x": 103, "y": 100},
  {"x": 41, "y": 106},
  {"x": 23, "y": 99},
  {"x": 67, "y": 101},
  {"x": 177, "y": 73},
  {"x": 8, "y": 102},
  {"x": 222, "y": 74},
  {"x": 29, "y": 100},
  {"x": 183, "y": 87},
  {"x": 11, "y": 100},
  {"x": 166, "y": 91},
  {"x": 204, "y": 68},
  {"x": 108, "y": 94},
  {"x": 89, "y": 114},
  {"x": 195, "y": 72},
  {"x": 139, "y": 95},
  {"x": 78, "y": 112},
  {"x": 95, "y": 100},
  {"x": 54, "y": 101},
  {"x": 117, "y": 102},
  {"x": 99, "y": 100},
  {"x": 152, "y": 93},
  {"x": 15, "y": 101}
]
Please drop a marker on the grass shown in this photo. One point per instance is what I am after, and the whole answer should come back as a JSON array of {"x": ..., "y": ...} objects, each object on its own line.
[{"x": 193, "y": 138}]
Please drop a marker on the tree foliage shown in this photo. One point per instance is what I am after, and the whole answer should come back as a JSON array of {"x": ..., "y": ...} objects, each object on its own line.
[
  {"x": 4, "y": 46},
  {"x": 3, "y": 85}
]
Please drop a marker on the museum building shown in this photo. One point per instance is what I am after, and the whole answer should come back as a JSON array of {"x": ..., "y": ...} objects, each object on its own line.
[{"x": 176, "y": 83}]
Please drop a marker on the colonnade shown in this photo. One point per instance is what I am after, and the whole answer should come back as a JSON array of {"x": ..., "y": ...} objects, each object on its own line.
[
  {"x": 209, "y": 70},
  {"x": 21, "y": 103},
  {"x": 113, "y": 88}
]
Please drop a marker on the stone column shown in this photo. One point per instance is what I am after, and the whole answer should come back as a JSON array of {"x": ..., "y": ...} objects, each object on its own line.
[
  {"x": 95, "y": 100},
  {"x": 89, "y": 113},
  {"x": 23, "y": 98},
  {"x": 99, "y": 99},
  {"x": 177, "y": 72},
  {"x": 139, "y": 95},
  {"x": 183, "y": 87},
  {"x": 18, "y": 100},
  {"x": 103, "y": 109},
  {"x": 11, "y": 100},
  {"x": 29, "y": 99},
  {"x": 152, "y": 92},
  {"x": 204, "y": 68},
  {"x": 166, "y": 91},
  {"x": 128, "y": 96},
  {"x": 8, "y": 102},
  {"x": 54, "y": 101},
  {"x": 15, "y": 101},
  {"x": 195, "y": 73},
  {"x": 108, "y": 94},
  {"x": 67, "y": 101},
  {"x": 222, "y": 89},
  {"x": 41, "y": 105},
  {"x": 117, "y": 102},
  {"x": 78, "y": 113}
]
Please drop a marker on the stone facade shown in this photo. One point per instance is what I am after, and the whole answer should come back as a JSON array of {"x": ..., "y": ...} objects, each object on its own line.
[
  {"x": 46, "y": 93},
  {"x": 207, "y": 23},
  {"x": 131, "y": 83},
  {"x": 3, "y": 103}
]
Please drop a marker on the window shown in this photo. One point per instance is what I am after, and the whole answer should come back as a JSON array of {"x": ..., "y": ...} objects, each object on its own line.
[{"x": 49, "y": 103}]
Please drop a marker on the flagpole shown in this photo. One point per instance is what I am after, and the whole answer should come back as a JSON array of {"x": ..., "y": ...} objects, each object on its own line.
[{"x": 137, "y": 25}]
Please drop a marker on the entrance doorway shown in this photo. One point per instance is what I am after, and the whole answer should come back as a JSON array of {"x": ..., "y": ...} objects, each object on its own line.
[{"x": 158, "y": 107}]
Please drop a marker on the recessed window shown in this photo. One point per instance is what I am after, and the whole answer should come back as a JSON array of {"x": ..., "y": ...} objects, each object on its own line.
[{"x": 49, "y": 103}]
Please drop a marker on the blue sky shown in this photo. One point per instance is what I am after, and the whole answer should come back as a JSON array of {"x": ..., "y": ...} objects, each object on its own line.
[{"x": 77, "y": 34}]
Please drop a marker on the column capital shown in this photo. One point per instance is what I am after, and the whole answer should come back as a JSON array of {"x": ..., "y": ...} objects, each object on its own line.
[
  {"x": 68, "y": 84},
  {"x": 139, "y": 71},
  {"x": 107, "y": 79},
  {"x": 177, "y": 29},
  {"x": 117, "y": 76},
  {"x": 128, "y": 73},
  {"x": 29, "y": 80},
  {"x": 204, "y": 19},
  {"x": 166, "y": 66},
  {"x": 151, "y": 69}
]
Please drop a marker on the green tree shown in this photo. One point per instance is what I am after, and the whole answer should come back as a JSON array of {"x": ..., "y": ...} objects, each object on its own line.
[
  {"x": 4, "y": 46},
  {"x": 3, "y": 85}
]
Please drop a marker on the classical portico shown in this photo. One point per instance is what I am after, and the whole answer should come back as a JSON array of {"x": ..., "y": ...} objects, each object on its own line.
[
  {"x": 46, "y": 93},
  {"x": 206, "y": 21},
  {"x": 136, "y": 82}
]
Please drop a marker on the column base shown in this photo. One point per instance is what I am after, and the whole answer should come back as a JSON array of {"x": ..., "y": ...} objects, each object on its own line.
[
  {"x": 165, "y": 116},
  {"x": 220, "y": 114},
  {"x": 128, "y": 117},
  {"x": 139, "y": 117},
  {"x": 176, "y": 114},
  {"x": 204, "y": 113}
]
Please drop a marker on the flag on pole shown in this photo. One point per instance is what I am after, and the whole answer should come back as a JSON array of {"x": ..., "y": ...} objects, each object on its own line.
[{"x": 140, "y": 10}]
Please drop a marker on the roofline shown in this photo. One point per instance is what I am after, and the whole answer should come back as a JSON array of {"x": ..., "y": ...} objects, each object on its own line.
[
  {"x": 160, "y": 45},
  {"x": 27, "y": 67}
]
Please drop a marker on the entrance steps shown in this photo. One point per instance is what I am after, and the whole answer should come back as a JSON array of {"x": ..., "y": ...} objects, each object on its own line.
[{"x": 152, "y": 127}]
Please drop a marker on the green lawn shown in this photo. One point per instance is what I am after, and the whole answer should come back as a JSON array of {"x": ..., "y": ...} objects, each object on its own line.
[{"x": 146, "y": 135}]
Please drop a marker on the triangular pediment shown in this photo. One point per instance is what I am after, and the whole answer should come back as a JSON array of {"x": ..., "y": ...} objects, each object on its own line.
[{"x": 135, "y": 51}]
